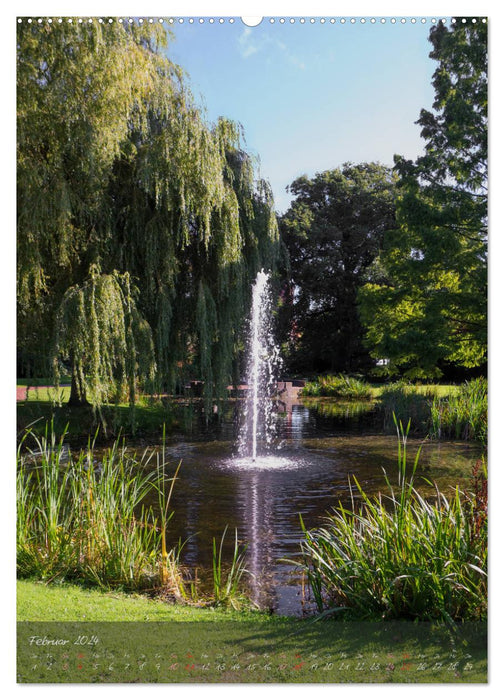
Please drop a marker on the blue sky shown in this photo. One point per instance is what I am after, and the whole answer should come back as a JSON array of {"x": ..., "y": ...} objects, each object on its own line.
[{"x": 311, "y": 96}]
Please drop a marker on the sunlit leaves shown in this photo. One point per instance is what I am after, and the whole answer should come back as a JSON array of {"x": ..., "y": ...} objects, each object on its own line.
[
  {"x": 119, "y": 170},
  {"x": 99, "y": 327},
  {"x": 430, "y": 306}
]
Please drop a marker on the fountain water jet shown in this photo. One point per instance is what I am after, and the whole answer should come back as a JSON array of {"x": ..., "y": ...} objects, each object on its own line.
[{"x": 262, "y": 364}]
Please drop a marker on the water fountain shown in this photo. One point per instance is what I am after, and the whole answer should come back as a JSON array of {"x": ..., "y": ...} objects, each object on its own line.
[
  {"x": 287, "y": 464},
  {"x": 263, "y": 361}
]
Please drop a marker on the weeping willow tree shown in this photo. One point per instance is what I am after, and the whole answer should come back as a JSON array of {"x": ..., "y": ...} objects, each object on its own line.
[
  {"x": 99, "y": 327},
  {"x": 120, "y": 174}
]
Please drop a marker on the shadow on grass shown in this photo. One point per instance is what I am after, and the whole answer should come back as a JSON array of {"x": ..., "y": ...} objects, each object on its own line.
[{"x": 270, "y": 650}]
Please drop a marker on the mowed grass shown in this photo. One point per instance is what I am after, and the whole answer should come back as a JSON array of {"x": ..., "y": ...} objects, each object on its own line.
[
  {"x": 37, "y": 601},
  {"x": 176, "y": 643}
]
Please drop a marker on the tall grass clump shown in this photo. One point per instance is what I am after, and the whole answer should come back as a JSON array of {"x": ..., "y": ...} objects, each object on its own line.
[
  {"x": 80, "y": 518},
  {"x": 463, "y": 415},
  {"x": 341, "y": 386},
  {"x": 407, "y": 403},
  {"x": 401, "y": 555},
  {"x": 227, "y": 579}
]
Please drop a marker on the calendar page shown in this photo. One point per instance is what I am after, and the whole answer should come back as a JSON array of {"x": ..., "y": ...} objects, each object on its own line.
[{"x": 251, "y": 349}]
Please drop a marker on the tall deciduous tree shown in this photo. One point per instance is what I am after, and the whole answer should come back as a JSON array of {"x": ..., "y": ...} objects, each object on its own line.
[
  {"x": 426, "y": 309},
  {"x": 333, "y": 231},
  {"x": 121, "y": 178}
]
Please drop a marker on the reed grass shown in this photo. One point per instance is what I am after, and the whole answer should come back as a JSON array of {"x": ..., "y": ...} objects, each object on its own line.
[
  {"x": 227, "y": 580},
  {"x": 104, "y": 520},
  {"x": 400, "y": 555},
  {"x": 407, "y": 403},
  {"x": 338, "y": 386},
  {"x": 459, "y": 413},
  {"x": 80, "y": 519},
  {"x": 463, "y": 415}
]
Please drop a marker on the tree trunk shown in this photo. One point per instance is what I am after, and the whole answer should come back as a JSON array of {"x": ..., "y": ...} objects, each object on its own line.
[{"x": 77, "y": 390}]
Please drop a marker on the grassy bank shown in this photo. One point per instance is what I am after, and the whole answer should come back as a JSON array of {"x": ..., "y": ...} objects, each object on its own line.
[
  {"x": 148, "y": 418},
  {"x": 339, "y": 386},
  {"x": 69, "y": 602},
  {"x": 440, "y": 411},
  {"x": 463, "y": 414},
  {"x": 114, "y": 638}
]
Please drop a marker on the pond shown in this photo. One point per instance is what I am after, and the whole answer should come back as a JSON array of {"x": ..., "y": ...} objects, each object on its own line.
[{"x": 316, "y": 455}]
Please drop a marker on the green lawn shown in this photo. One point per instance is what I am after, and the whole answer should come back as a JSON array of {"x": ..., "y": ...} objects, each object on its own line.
[
  {"x": 42, "y": 602},
  {"x": 66, "y": 634},
  {"x": 37, "y": 393},
  {"x": 42, "y": 381}
]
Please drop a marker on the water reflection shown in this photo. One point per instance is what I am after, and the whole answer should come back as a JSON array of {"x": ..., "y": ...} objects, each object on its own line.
[{"x": 258, "y": 502}]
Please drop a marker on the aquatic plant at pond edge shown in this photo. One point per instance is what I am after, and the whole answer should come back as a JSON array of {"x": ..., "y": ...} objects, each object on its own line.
[
  {"x": 341, "y": 385},
  {"x": 463, "y": 414},
  {"x": 400, "y": 555},
  {"x": 407, "y": 403},
  {"x": 80, "y": 520},
  {"x": 227, "y": 580},
  {"x": 460, "y": 413},
  {"x": 84, "y": 519}
]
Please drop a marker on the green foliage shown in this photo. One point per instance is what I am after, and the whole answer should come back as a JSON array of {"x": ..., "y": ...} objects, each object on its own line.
[
  {"x": 464, "y": 414},
  {"x": 342, "y": 386},
  {"x": 227, "y": 579},
  {"x": 119, "y": 170},
  {"x": 333, "y": 231},
  {"x": 401, "y": 556},
  {"x": 100, "y": 330},
  {"x": 426, "y": 304},
  {"x": 80, "y": 520},
  {"x": 406, "y": 403}
]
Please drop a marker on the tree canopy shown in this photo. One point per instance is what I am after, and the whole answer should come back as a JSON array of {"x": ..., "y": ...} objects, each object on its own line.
[
  {"x": 426, "y": 308},
  {"x": 333, "y": 231},
  {"x": 135, "y": 216}
]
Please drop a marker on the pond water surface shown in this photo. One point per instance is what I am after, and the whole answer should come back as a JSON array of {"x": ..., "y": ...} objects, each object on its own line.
[{"x": 309, "y": 472}]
